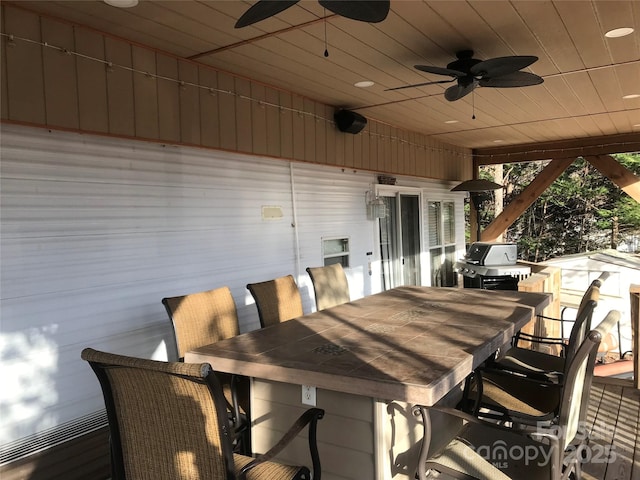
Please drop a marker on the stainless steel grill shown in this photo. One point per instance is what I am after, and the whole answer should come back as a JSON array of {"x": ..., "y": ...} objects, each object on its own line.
[{"x": 492, "y": 266}]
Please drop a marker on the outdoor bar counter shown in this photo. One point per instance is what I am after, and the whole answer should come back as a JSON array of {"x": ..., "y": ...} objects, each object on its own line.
[{"x": 370, "y": 360}]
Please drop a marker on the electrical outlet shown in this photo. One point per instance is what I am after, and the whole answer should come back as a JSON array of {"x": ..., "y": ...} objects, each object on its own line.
[{"x": 309, "y": 395}]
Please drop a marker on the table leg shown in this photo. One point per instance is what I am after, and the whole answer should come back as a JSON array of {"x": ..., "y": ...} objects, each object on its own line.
[{"x": 426, "y": 440}]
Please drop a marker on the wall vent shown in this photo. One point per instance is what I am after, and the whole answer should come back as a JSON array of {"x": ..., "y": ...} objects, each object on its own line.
[{"x": 40, "y": 441}]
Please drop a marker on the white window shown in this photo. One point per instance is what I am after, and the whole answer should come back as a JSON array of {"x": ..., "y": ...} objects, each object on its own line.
[
  {"x": 442, "y": 243},
  {"x": 335, "y": 250}
]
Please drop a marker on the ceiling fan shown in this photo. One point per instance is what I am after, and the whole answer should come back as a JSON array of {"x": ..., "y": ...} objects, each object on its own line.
[
  {"x": 469, "y": 73},
  {"x": 372, "y": 11}
]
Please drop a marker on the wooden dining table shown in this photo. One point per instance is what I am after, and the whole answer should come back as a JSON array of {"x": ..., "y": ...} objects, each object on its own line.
[{"x": 370, "y": 361}]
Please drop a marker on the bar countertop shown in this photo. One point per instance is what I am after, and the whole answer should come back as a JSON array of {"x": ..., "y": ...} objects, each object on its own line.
[{"x": 412, "y": 344}]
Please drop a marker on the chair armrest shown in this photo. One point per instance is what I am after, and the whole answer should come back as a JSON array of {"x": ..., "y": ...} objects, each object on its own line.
[
  {"x": 526, "y": 337},
  {"x": 538, "y": 339},
  {"x": 467, "y": 417},
  {"x": 473, "y": 402},
  {"x": 426, "y": 438},
  {"x": 549, "y": 377},
  {"x": 309, "y": 417}
]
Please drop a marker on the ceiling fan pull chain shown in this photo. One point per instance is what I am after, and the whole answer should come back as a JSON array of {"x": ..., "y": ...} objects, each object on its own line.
[
  {"x": 326, "y": 51},
  {"x": 473, "y": 105}
]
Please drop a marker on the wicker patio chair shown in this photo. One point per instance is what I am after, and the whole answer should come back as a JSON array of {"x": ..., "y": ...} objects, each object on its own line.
[
  {"x": 486, "y": 451},
  {"x": 277, "y": 300},
  {"x": 203, "y": 318},
  {"x": 168, "y": 422},
  {"x": 330, "y": 285}
]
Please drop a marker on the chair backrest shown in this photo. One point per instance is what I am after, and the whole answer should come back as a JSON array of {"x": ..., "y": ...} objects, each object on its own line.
[
  {"x": 202, "y": 318},
  {"x": 582, "y": 323},
  {"x": 167, "y": 420},
  {"x": 578, "y": 377},
  {"x": 330, "y": 285},
  {"x": 277, "y": 300}
]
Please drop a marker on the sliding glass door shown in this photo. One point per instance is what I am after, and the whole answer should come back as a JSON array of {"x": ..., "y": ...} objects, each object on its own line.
[{"x": 400, "y": 244}]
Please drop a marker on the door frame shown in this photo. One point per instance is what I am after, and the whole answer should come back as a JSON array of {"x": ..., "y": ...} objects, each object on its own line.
[{"x": 395, "y": 191}]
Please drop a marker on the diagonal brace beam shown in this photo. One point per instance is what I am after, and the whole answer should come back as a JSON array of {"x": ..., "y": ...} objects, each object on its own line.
[
  {"x": 618, "y": 174},
  {"x": 523, "y": 201}
]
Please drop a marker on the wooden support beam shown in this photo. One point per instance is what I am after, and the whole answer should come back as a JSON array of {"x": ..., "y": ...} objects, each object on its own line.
[
  {"x": 634, "y": 295},
  {"x": 618, "y": 174},
  {"x": 529, "y": 195},
  {"x": 576, "y": 147}
]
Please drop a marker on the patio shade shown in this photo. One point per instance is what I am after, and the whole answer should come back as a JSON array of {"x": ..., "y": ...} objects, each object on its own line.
[{"x": 476, "y": 185}]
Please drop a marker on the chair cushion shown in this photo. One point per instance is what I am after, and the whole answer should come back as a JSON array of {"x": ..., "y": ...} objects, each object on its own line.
[{"x": 519, "y": 396}]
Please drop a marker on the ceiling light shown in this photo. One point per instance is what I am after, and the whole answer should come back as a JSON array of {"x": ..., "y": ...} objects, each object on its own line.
[
  {"x": 364, "y": 84},
  {"x": 122, "y": 3},
  {"x": 632, "y": 95},
  {"x": 619, "y": 32},
  {"x": 498, "y": 141},
  {"x": 451, "y": 121}
]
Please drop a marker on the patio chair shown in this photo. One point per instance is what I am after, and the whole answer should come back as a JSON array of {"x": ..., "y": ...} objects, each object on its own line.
[
  {"x": 487, "y": 451},
  {"x": 167, "y": 422},
  {"x": 547, "y": 366},
  {"x": 207, "y": 317},
  {"x": 330, "y": 285},
  {"x": 277, "y": 300},
  {"x": 500, "y": 395}
]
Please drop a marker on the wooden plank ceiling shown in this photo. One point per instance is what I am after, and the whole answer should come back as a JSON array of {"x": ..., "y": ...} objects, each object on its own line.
[{"x": 586, "y": 74}]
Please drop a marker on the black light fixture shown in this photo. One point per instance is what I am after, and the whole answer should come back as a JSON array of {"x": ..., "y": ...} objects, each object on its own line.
[{"x": 475, "y": 188}]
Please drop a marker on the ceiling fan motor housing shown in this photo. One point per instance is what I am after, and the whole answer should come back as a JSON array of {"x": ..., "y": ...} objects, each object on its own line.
[{"x": 464, "y": 63}]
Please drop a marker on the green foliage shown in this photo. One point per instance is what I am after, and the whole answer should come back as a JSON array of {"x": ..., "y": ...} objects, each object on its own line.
[{"x": 581, "y": 211}]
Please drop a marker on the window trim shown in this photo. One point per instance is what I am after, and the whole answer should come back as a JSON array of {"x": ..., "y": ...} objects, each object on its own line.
[{"x": 346, "y": 253}]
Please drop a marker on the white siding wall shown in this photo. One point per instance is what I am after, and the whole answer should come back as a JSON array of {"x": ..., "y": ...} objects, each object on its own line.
[{"x": 95, "y": 231}]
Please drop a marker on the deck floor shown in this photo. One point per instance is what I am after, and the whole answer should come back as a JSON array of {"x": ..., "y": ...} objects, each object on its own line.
[{"x": 614, "y": 421}]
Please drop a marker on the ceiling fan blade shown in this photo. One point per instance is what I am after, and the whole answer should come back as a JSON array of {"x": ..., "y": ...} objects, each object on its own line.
[
  {"x": 515, "y": 79},
  {"x": 262, "y": 10},
  {"x": 496, "y": 67},
  {"x": 419, "y": 85},
  {"x": 458, "y": 91},
  {"x": 372, "y": 11},
  {"x": 439, "y": 70}
]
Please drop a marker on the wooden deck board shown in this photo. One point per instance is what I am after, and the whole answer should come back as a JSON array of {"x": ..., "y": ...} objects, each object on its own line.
[{"x": 613, "y": 418}]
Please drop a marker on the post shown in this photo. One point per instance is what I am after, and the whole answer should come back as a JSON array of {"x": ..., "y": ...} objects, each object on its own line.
[
  {"x": 634, "y": 295},
  {"x": 474, "y": 214}
]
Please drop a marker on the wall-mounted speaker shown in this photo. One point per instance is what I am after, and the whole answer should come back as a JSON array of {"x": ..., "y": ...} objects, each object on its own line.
[{"x": 349, "y": 122}]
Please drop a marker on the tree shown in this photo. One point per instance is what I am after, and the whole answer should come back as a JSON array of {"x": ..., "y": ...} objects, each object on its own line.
[{"x": 581, "y": 211}]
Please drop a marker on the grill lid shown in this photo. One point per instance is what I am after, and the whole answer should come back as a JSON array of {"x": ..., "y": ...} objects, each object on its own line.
[{"x": 487, "y": 253}]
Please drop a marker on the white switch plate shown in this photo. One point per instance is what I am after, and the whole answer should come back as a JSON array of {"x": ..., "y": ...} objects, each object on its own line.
[{"x": 309, "y": 395}]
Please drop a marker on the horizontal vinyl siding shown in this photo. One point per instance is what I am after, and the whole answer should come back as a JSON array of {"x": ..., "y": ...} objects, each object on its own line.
[
  {"x": 349, "y": 455},
  {"x": 331, "y": 203},
  {"x": 96, "y": 231}
]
